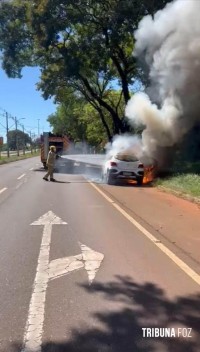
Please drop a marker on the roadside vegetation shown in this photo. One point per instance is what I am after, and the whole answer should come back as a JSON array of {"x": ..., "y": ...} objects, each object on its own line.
[
  {"x": 85, "y": 52},
  {"x": 184, "y": 179},
  {"x": 188, "y": 184},
  {"x": 5, "y": 160}
]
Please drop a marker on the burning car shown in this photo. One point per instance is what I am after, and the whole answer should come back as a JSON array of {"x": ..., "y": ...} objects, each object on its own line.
[{"x": 123, "y": 167}]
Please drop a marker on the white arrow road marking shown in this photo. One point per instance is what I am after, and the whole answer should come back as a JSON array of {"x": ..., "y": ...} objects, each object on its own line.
[
  {"x": 34, "y": 325},
  {"x": 63, "y": 266},
  {"x": 89, "y": 259},
  {"x": 92, "y": 261}
]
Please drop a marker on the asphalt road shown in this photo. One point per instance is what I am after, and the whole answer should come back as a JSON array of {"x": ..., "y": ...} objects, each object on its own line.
[
  {"x": 86, "y": 267},
  {"x": 93, "y": 159}
]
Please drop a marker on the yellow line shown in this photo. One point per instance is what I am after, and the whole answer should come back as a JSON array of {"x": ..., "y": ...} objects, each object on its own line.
[{"x": 182, "y": 265}]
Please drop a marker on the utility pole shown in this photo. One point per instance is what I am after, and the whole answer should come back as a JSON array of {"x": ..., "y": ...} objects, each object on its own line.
[
  {"x": 38, "y": 128},
  {"x": 7, "y": 135},
  {"x": 23, "y": 141},
  {"x": 17, "y": 144},
  {"x": 31, "y": 142},
  {"x": 34, "y": 142}
]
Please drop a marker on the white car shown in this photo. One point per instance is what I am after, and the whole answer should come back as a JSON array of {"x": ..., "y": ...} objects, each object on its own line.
[{"x": 123, "y": 166}]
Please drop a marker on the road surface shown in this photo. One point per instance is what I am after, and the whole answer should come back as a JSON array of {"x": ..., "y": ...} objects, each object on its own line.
[
  {"x": 91, "y": 159},
  {"x": 87, "y": 267}
]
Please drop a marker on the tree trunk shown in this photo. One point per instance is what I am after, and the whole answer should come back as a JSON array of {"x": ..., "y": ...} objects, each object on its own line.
[
  {"x": 117, "y": 122},
  {"x": 123, "y": 77},
  {"x": 105, "y": 125}
]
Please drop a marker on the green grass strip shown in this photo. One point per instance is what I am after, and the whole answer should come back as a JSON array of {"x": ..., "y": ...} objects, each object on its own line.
[
  {"x": 188, "y": 184},
  {"x": 6, "y": 160}
]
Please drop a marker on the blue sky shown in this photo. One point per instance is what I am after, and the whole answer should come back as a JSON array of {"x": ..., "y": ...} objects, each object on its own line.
[{"x": 20, "y": 98}]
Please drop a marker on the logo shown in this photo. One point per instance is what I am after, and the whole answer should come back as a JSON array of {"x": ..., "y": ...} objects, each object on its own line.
[{"x": 167, "y": 332}]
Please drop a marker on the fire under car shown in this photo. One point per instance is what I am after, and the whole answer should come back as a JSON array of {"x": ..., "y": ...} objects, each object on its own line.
[{"x": 123, "y": 167}]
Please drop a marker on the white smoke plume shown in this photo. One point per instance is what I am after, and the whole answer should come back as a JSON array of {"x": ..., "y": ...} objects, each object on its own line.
[
  {"x": 170, "y": 46},
  {"x": 125, "y": 143}
]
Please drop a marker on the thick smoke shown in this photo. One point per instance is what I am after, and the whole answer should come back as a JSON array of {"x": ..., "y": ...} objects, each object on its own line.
[
  {"x": 126, "y": 144},
  {"x": 170, "y": 46}
]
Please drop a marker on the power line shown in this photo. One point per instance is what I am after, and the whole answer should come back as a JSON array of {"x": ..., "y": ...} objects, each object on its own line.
[{"x": 14, "y": 119}]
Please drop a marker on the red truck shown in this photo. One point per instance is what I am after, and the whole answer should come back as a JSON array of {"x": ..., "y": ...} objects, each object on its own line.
[{"x": 61, "y": 142}]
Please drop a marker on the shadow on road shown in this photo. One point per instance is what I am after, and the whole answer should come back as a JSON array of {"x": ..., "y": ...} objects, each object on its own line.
[
  {"x": 141, "y": 305},
  {"x": 56, "y": 181},
  {"x": 93, "y": 174},
  {"x": 134, "y": 184}
]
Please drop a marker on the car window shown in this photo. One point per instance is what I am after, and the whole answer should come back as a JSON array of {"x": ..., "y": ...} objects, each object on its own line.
[{"x": 126, "y": 157}]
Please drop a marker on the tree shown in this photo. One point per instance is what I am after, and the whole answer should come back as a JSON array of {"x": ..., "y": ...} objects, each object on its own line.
[
  {"x": 16, "y": 40},
  {"x": 95, "y": 131},
  {"x": 18, "y": 139},
  {"x": 81, "y": 120},
  {"x": 66, "y": 120},
  {"x": 83, "y": 44}
]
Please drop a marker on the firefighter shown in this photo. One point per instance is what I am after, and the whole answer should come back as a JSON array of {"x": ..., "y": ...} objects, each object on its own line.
[{"x": 50, "y": 163}]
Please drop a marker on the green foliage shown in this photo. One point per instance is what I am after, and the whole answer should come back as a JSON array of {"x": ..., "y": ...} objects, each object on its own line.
[
  {"x": 3, "y": 147},
  {"x": 79, "y": 121},
  {"x": 82, "y": 121},
  {"x": 95, "y": 131},
  {"x": 82, "y": 45},
  {"x": 66, "y": 120},
  {"x": 18, "y": 138},
  {"x": 15, "y": 38},
  {"x": 186, "y": 184}
]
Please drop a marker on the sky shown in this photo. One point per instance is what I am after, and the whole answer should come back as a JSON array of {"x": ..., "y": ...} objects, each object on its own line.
[{"x": 20, "y": 99}]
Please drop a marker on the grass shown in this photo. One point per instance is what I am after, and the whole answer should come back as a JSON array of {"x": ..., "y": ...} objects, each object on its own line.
[
  {"x": 5, "y": 159},
  {"x": 184, "y": 179},
  {"x": 184, "y": 184}
]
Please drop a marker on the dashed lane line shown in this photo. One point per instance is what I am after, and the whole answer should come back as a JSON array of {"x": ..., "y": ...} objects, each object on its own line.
[
  {"x": 3, "y": 190},
  {"x": 180, "y": 263},
  {"x": 19, "y": 178}
]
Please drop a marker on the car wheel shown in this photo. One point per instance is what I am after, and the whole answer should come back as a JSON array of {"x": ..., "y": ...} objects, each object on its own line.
[
  {"x": 140, "y": 181},
  {"x": 109, "y": 179}
]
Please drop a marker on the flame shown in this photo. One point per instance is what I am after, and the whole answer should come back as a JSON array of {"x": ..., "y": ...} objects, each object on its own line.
[{"x": 149, "y": 174}]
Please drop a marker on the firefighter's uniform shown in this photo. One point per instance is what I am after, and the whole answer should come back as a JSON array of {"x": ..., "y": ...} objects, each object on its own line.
[{"x": 50, "y": 163}]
